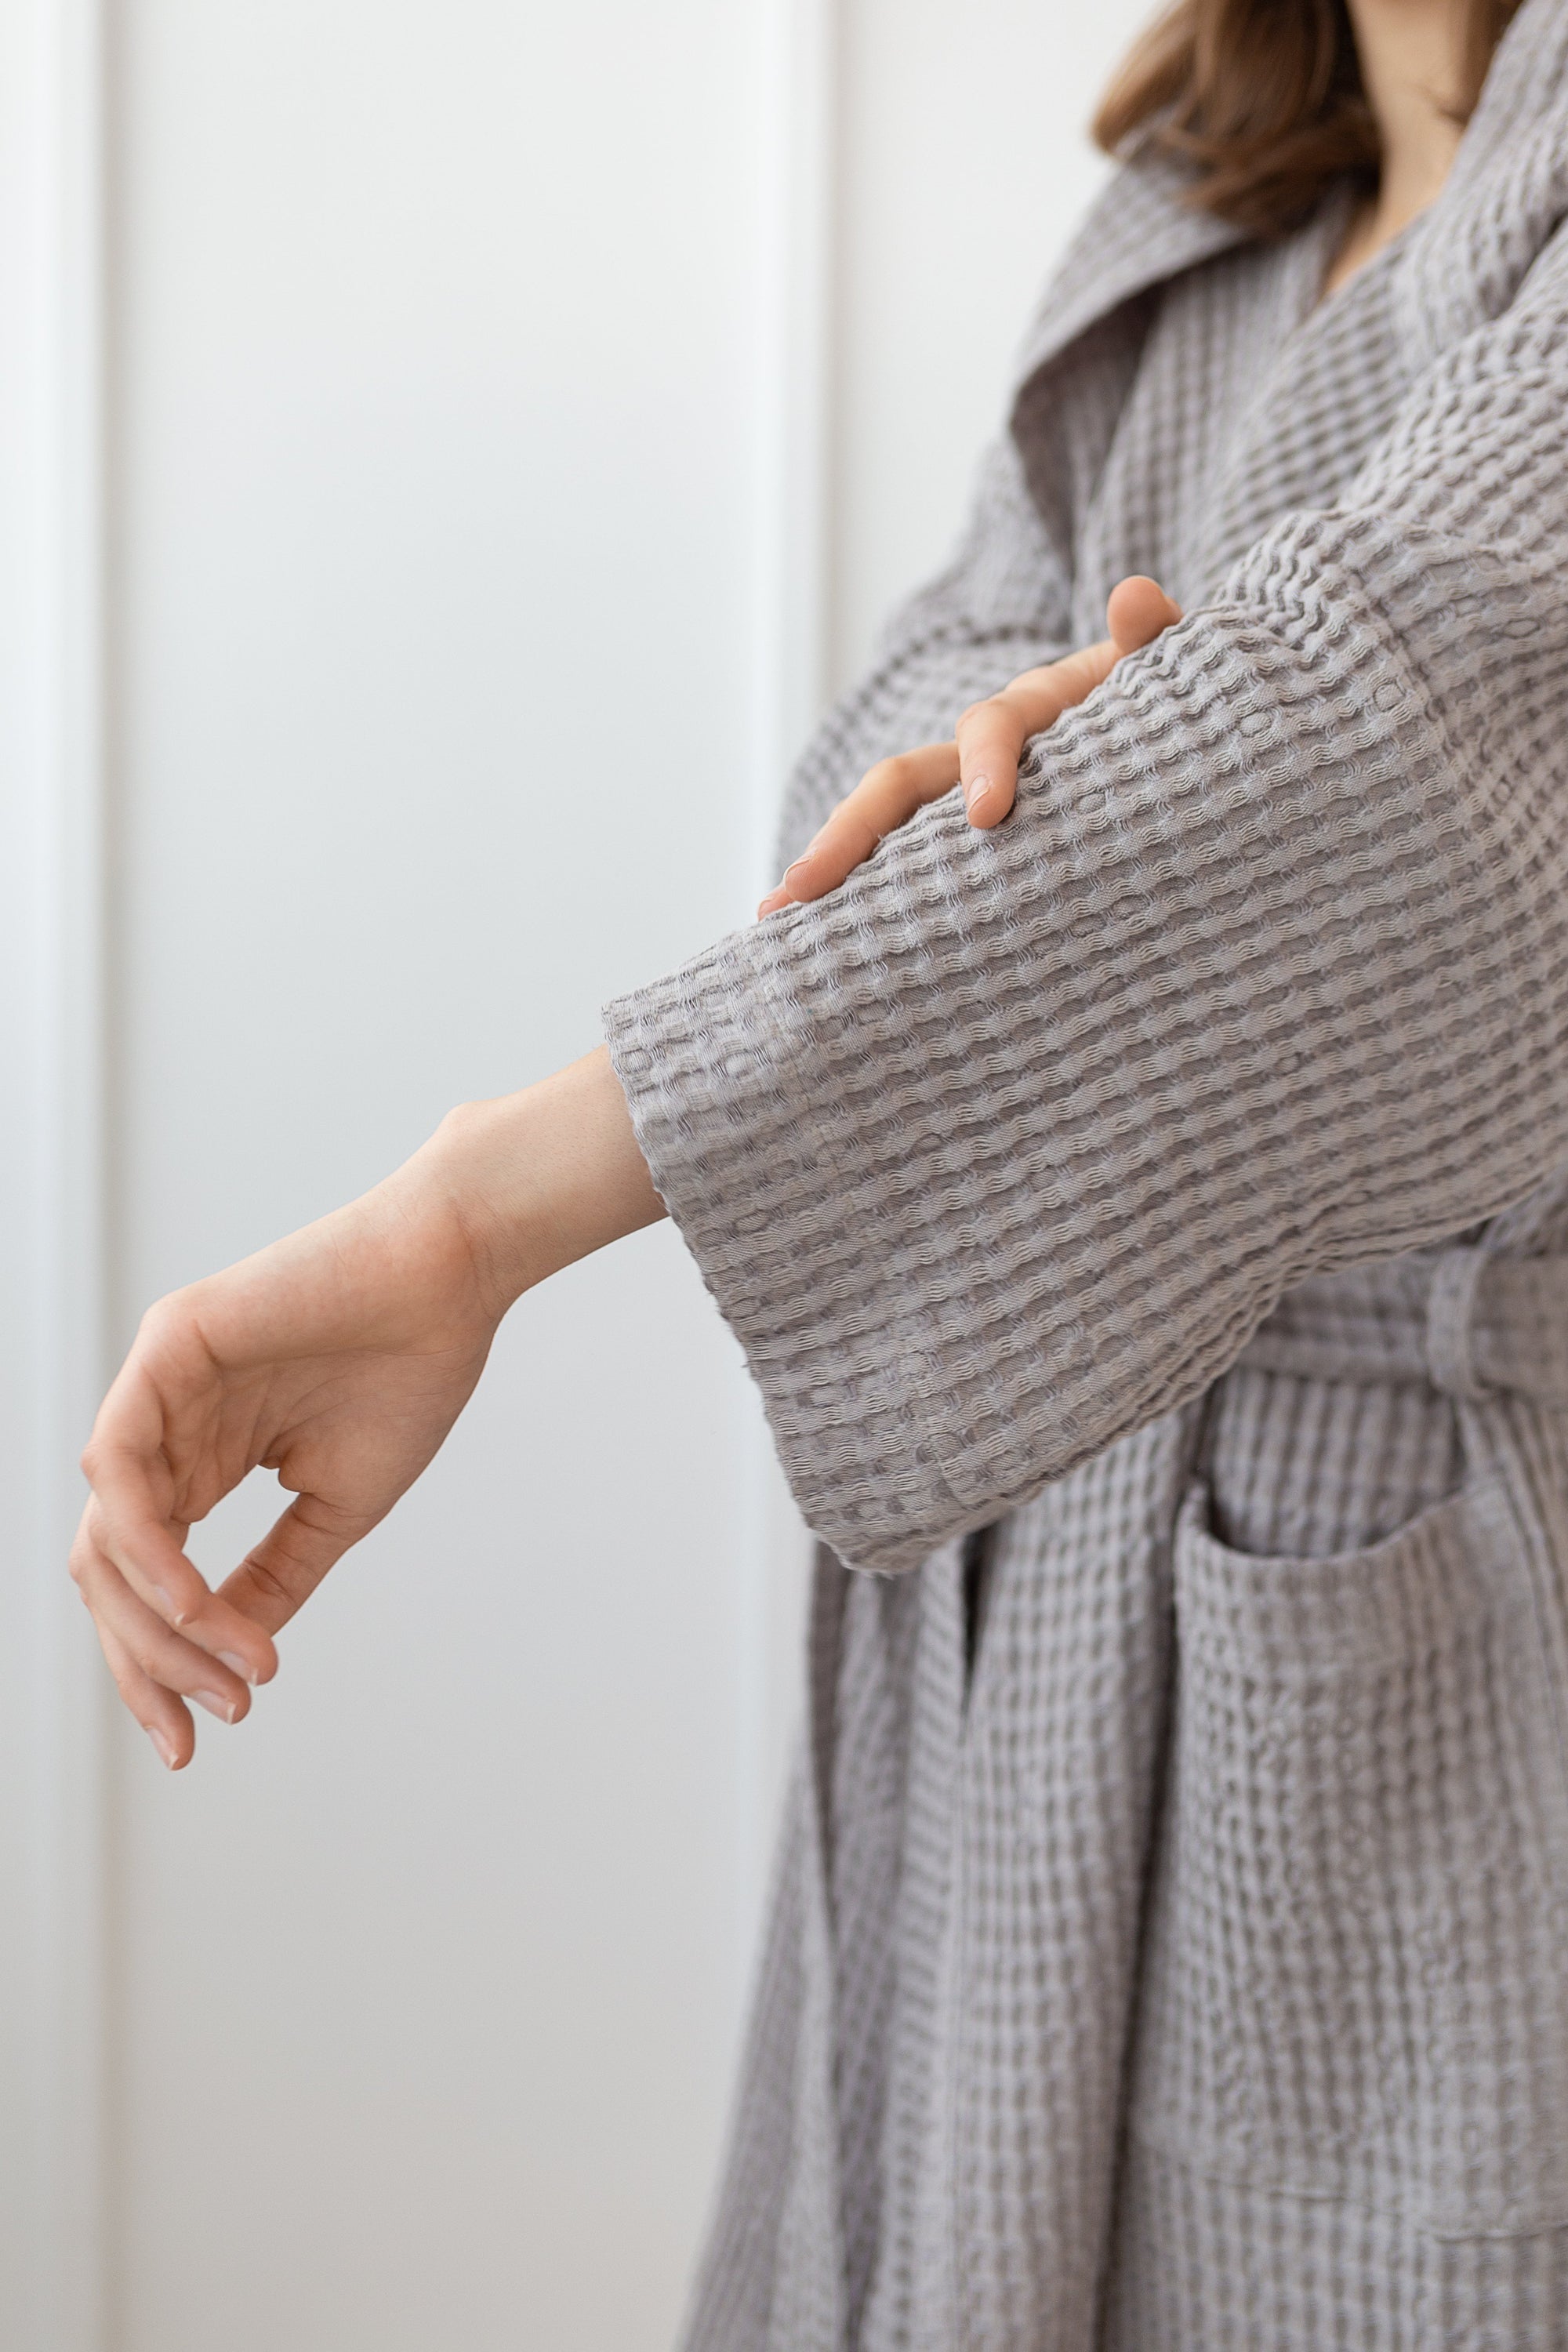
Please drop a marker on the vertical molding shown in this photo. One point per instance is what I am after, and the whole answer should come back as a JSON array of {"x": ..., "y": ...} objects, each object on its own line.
[
  {"x": 796, "y": 281},
  {"x": 52, "y": 902},
  {"x": 796, "y": 278}
]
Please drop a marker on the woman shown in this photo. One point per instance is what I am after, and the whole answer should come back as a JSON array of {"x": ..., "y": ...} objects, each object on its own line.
[{"x": 1147, "y": 1219}]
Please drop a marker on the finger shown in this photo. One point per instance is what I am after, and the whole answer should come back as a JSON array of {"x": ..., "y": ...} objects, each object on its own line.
[
  {"x": 152, "y": 1565},
  {"x": 886, "y": 797},
  {"x": 135, "y": 1524},
  {"x": 155, "y": 1707},
  {"x": 992, "y": 734},
  {"x": 164, "y": 1659},
  {"x": 123, "y": 1463},
  {"x": 1137, "y": 612},
  {"x": 166, "y": 1722},
  {"x": 281, "y": 1574},
  {"x": 990, "y": 739}
]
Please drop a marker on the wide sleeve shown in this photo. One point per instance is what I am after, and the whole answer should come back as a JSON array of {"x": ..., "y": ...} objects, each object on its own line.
[{"x": 1007, "y": 1146}]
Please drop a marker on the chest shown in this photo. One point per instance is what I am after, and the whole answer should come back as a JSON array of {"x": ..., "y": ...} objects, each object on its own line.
[{"x": 1249, "y": 399}]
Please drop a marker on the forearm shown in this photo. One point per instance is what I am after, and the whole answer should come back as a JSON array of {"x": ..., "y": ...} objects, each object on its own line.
[{"x": 543, "y": 1177}]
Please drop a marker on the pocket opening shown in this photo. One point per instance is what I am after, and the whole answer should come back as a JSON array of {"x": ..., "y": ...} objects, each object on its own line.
[{"x": 1356, "y": 1980}]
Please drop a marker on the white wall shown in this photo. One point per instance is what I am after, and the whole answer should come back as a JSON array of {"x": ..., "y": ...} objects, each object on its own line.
[
  {"x": 463, "y": 571},
  {"x": 964, "y": 165},
  {"x": 433, "y": 449}
]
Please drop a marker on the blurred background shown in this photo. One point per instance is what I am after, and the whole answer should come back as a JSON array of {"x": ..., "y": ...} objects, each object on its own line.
[{"x": 449, "y": 453}]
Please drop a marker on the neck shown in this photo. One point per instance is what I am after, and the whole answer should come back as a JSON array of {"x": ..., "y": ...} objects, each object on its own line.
[
  {"x": 1412, "y": 61},
  {"x": 1411, "y": 57}
]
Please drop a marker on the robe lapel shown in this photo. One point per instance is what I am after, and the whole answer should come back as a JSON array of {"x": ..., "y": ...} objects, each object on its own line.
[
  {"x": 1506, "y": 194},
  {"x": 1138, "y": 233},
  {"x": 1511, "y": 165}
]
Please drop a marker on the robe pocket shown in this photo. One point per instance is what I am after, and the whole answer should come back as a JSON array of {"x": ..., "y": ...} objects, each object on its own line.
[{"x": 1357, "y": 1981}]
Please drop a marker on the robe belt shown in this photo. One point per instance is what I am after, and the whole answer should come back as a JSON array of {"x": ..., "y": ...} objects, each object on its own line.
[{"x": 1470, "y": 1323}]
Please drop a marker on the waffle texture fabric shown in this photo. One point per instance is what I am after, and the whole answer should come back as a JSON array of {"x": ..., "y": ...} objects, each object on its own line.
[{"x": 1170, "y": 1950}]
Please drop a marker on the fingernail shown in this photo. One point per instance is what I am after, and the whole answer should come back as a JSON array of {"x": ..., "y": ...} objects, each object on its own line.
[
  {"x": 226, "y": 1709},
  {"x": 163, "y": 1744},
  {"x": 975, "y": 790},
  {"x": 237, "y": 1665},
  {"x": 791, "y": 871}
]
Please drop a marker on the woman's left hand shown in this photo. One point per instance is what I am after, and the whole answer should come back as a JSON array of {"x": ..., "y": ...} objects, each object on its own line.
[{"x": 983, "y": 756}]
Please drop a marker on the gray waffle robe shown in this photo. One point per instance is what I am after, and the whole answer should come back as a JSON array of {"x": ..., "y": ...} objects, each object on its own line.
[{"x": 1148, "y": 1225}]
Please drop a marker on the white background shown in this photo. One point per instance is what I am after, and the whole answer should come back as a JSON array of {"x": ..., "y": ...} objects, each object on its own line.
[{"x": 447, "y": 450}]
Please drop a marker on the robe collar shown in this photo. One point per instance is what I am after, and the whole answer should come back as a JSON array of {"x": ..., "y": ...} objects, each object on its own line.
[{"x": 1139, "y": 232}]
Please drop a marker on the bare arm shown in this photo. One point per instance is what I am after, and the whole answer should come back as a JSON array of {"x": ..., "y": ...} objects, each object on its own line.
[
  {"x": 343, "y": 1355},
  {"x": 340, "y": 1357}
]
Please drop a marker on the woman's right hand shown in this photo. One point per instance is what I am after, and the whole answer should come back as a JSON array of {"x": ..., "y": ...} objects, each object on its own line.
[
  {"x": 983, "y": 756},
  {"x": 339, "y": 1358}
]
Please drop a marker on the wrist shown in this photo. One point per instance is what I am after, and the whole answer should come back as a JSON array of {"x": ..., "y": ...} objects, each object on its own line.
[
  {"x": 541, "y": 1178},
  {"x": 476, "y": 1166}
]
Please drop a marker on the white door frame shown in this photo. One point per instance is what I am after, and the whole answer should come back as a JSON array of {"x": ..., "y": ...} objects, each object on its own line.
[
  {"x": 794, "y": 467},
  {"x": 52, "y": 834}
]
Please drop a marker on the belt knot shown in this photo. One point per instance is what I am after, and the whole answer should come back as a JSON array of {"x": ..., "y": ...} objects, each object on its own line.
[{"x": 1454, "y": 1283}]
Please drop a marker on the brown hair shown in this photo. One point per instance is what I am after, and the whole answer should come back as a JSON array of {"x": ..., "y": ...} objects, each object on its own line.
[{"x": 1263, "y": 101}]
